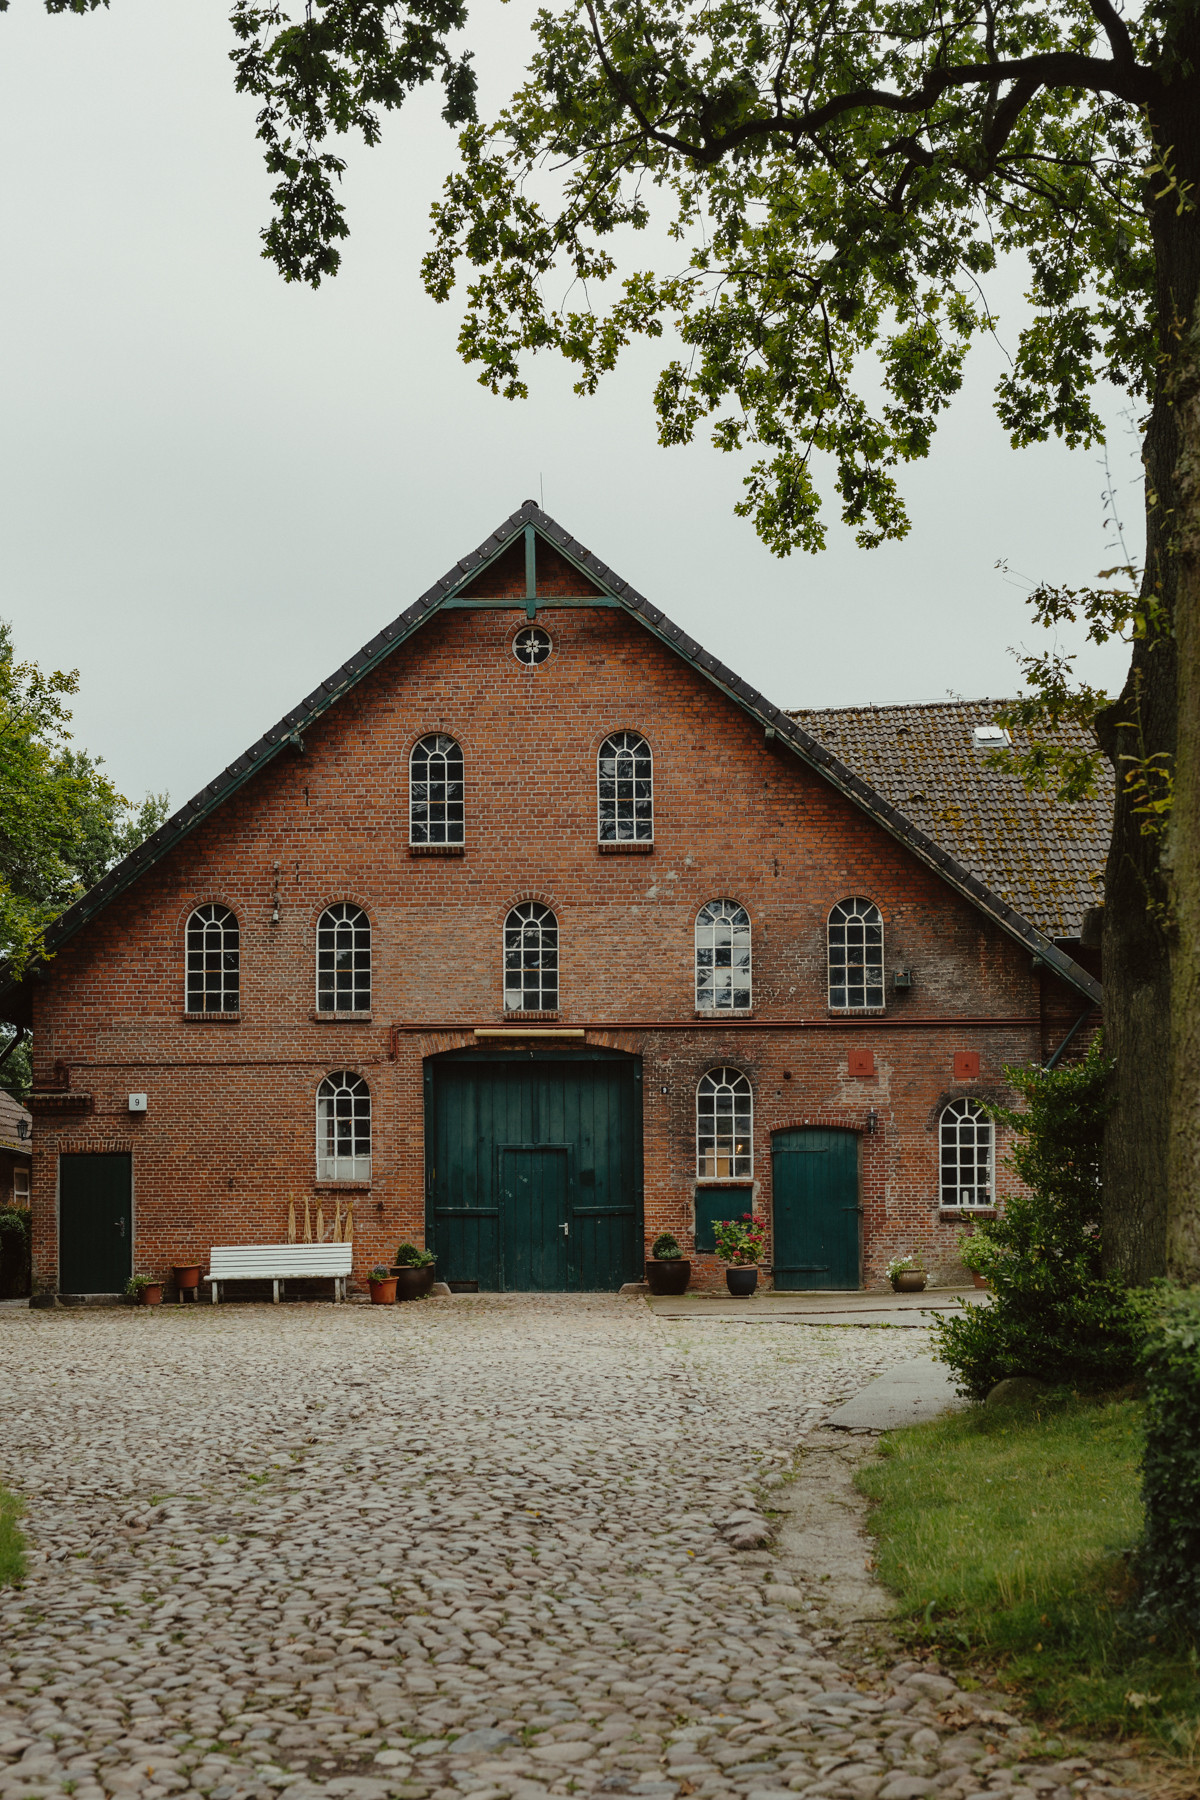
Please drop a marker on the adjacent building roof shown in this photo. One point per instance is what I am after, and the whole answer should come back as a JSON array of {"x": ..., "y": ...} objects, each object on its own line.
[
  {"x": 1040, "y": 854},
  {"x": 11, "y": 1115},
  {"x": 598, "y": 586}
]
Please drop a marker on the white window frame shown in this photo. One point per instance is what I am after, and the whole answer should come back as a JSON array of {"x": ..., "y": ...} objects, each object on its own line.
[
  {"x": 965, "y": 1126},
  {"x": 22, "y": 1186},
  {"x": 341, "y": 930},
  {"x": 622, "y": 824},
  {"x": 855, "y": 912},
  {"x": 437, "y": 744},
  {"x": 724, "y": 1120},
  {"x": 723, "y": 951},
  {"x": 343, "y": 1128},
  {"x": 531, "y": 931},
  {"x": 213, "y": 925}
]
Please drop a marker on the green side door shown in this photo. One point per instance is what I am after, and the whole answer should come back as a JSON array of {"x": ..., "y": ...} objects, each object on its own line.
[
  {"x": 95, "y": 1224},
  {"x": 814, "y": 1181},
  {"x": 534, "y": 1170}
]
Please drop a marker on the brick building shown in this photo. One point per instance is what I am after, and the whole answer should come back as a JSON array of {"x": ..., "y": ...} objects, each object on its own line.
[{"x": 535, "y": 931}]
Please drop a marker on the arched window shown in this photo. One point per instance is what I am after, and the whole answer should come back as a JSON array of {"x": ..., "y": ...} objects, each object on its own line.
[
  {"x": 724, "y": 1124},
  {"x": 855, "y": 955},
  {"x": 435, "y": 791},
  {"x": 530, "y": 959},
  {"x": 213, "y": 961},
  {"x": 723, "y": 956},
  {"x": 967, "y": 1143},
  {"x": 343, "y": 1128},
  {"x": 625, "y": 789},
  {"x": 343, "y": 960}
]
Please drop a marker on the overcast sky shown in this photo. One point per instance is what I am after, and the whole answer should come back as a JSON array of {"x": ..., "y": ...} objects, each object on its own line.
[{"x": 215, "y": 487}]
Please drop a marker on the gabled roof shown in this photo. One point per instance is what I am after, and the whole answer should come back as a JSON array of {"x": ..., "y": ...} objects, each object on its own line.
[
  {"x": 595, "y": 585},
  {"x": 1039, "y": 854},
  {"x": 12, "y": 1115}
]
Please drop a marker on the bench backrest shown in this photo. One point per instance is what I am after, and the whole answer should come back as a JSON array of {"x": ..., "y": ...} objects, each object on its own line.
[{"x": 229, "y": 1262}]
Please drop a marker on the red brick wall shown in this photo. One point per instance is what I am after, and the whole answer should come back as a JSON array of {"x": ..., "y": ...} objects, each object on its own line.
[{"x": 229, "y": 1135}]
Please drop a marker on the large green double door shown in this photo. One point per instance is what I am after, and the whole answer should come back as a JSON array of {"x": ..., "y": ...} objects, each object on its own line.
[{"x": 534, "y": 1169}]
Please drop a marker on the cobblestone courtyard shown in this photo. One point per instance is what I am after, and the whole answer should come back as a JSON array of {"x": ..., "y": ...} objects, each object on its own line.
[{"x": 307, "y": 1547}]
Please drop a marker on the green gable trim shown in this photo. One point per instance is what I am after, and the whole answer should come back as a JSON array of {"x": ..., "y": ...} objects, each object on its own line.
[{"x": 530, "y": 523}]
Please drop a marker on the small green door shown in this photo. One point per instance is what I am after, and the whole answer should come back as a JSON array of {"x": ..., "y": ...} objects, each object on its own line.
[
  {"x": 95, "y": 1224},
  {"x": 814, "y": 1180},
  {"x": 534, "y": 1225}
]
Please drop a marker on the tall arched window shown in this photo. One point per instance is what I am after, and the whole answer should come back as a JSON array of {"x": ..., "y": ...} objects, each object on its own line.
[
  {"x": 724, "y": 1124},
  {"x": 967, "y": 1145},
  {"x": 530, "y": 959},
  {"x": 213, "y": 961},
  {"x": 343, "y": 1128},
  {"x": 625, "y": 789},
  {"x": 723, "y": 956},
  {"x": 435, "y": 791},
  {"x": 855, "y": 955},
  {"x": 343, "y": 959}
]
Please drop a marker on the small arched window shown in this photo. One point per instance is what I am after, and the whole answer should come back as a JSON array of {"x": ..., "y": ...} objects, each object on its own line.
[
  {"x": 213, "y": 961},
  {"x": 967, "y": 1146},
  {"x": 343, "y": 1128},
  {"x": 855, "y": 955},
  {"x": 724, "y": 1124},
  {"x": 723, "y": 956},
  {"x": 435, "y": 791},
  {"x": 343, "y": 959},
  {"x": 625, "y": 790},
  {"x": 530, "y": 959}
]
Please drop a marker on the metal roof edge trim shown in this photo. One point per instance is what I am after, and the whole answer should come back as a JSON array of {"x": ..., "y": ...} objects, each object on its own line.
[{"x": 743, "y": 695}]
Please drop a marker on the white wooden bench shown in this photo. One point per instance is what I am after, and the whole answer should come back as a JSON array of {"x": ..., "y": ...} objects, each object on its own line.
[{"x": 277, "y": 1262}]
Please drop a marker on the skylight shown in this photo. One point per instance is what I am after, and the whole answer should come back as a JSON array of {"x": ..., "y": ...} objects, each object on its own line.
[{"x": 990, "y": 737}]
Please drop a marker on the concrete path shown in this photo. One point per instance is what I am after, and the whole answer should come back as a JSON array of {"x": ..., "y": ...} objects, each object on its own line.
[
  {"x": 905, "y": 1395},
  {"x": 911, "y": 1311},
  {"x": 473, "y": 1551}
]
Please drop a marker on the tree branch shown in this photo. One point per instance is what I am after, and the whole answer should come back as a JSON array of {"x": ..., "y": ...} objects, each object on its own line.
[{"x": 1117, "y": 33}]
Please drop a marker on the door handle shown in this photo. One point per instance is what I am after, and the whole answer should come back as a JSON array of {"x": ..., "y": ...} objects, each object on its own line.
[
  {"x": 565, "y": 1229},
  {"x": 121, "y": 1226}
]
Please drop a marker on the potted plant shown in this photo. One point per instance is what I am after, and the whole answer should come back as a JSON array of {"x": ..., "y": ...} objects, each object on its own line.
[
  {"x": 383, "y": 1286},
  {"x": 739, "y": 1245},
  {"x": 413, "y": 1270},
  {"x": 976, "y": 1252},
  {"x": 667, "y": 1270},
  {"x": 907, "y": 1274},
  {"x": 144, "y": 1292},
  {"x": 187, "y": 1275}
]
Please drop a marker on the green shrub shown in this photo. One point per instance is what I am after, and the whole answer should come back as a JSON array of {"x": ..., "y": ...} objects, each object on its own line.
[
  {"x": 409, "y": 1257},
  {"x": 1169, "y": 1561},
  {"x": 12, "y": 1543},
  {"x": 1055, "y": 1315},
  {"x": 665, "y": 1248}
]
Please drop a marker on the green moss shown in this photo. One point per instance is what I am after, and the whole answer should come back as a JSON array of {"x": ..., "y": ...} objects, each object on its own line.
[{"x": 1007, "y": 1536}]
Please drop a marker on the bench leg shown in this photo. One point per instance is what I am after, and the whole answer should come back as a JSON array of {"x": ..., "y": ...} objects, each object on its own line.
[
  {"x": 275, "y": 1294},
  {"x": 215, "y": 1295}
]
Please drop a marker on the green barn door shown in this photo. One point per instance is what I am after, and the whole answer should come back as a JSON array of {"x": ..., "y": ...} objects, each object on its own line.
[
  {"x": 814, "y": 1180},
  {"x": 95, "y": 1224},
  {"x": 520, "y": 1146}
]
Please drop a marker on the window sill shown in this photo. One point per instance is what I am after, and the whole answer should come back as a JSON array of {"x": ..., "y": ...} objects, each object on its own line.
[
  {"x": 857, "y": 1012},
  {"x": 211, "y": 1018},
  {"x": 342, "y": 1018},
  {"x": 359, "y": 1187},
  {"x": 724, "y": 1012},
  {"x": 518, "y": 1013},
  {"x": 967, "y": 1212},
  {"x": 437, "y": 849},
  {"x": 627, "y": 847},
  {"x": 725, "y": 1181}
]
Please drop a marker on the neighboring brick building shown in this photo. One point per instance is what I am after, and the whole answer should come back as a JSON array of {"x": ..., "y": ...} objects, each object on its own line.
[{"x": 536, "y": 931}]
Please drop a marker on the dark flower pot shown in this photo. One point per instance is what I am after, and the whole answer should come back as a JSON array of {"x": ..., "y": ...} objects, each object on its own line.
[
  {"x": 412, "y": 1283},
  {"x": 912, "y": 1281},
  {"x": 742, "y": 1279},
  {"x": 383, "y": 1293},
  {"x": 670, "y": 1275}
]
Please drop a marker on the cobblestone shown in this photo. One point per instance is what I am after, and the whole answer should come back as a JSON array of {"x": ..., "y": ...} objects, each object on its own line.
[{"x": 477, "y": 1550}]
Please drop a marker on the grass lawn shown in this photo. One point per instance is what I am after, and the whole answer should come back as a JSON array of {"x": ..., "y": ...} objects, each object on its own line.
[
  {"x": 1004, "y": 1535},
  {"x": 12, "y": 1544}
]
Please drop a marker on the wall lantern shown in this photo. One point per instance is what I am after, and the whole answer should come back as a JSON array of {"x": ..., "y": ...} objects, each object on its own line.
[
  {"x": 22, "y": 1128},
  {"x": 872, "y": 1122}
]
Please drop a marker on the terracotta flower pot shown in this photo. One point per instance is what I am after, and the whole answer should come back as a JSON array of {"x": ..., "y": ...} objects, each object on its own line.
[
  {"x": 910, "y": 1281},
  {"x": 670, "y": 1275},
  {"x": 980, "y": 1281},
  {"x": 742, "y": 1279},
  {"x": 152, "y": 1294},
  {"x": 383, "y": 1293},
  {"x": 187, "y": 1275}
]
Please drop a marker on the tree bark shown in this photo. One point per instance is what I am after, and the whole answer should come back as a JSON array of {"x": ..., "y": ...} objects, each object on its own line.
[{"x": 1152, "y": 891}]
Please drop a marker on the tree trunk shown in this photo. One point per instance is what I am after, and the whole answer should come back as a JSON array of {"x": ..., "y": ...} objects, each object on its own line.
[{"x": 1152, "y": 892}]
